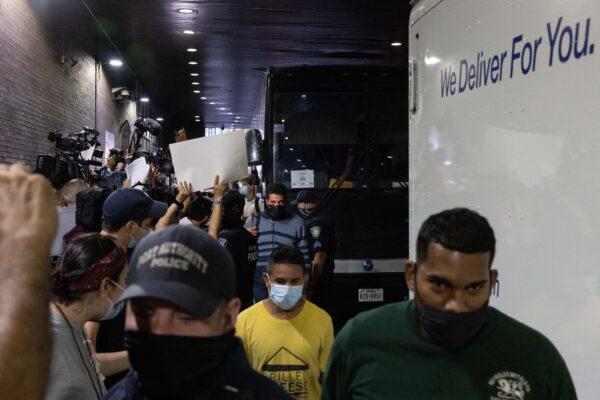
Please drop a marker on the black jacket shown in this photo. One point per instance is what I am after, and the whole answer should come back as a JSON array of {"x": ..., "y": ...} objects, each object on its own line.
[
  {"x": 237, "y": 381},
  {"x": 244, "y": 251}
]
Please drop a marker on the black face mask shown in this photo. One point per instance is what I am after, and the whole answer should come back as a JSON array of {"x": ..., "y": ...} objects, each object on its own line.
[
  {"x": 449, "y": 329},
  {"x": 177, "y": 367},
  {"x": 276, "y": 212},
  {"x": 231, "y": 220},
  {"x": 446, "y": 328},
  {"x": 306, "y": 213}
]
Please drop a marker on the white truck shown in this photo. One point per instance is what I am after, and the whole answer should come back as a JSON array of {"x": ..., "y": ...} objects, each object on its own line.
[{"x": 505, "y": 119}]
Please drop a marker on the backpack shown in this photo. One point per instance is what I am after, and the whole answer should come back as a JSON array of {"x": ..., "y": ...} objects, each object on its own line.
[{"x": 89, "y": 209}]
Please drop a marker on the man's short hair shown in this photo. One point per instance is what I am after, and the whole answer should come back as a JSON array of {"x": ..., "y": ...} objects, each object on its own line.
[
  {"x": 199, "y": 208},
  {"x": 116, "y": 225},
  {"x": 286, "y": 255},
  {"x": 277, "y": 188},
  {"x": 70, "y": 189},
  {"x": 248, "y": 180},
  {"x": 458, "y": 229}
]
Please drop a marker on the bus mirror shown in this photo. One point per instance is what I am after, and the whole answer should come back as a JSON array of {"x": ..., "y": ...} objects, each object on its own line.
[{"x": 254, "y": 147}]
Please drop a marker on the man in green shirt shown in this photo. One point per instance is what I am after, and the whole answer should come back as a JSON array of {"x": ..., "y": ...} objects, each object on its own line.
[{"x": 447, "y": 343}]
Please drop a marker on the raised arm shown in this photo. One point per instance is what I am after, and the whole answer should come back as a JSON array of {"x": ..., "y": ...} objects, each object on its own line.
[
  {"x": 27, "y": 228},
  {"x": 185, "y": 191},
  {"x": 217, "y": 212}
]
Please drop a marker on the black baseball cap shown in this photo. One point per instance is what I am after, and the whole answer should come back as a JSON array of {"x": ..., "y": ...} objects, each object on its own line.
[
  {"x": 232, "y": 198},
  {"x": 183, "y": 265},
  {"x": 125, "y": 205},
  {"x": 307, "y": 196}
]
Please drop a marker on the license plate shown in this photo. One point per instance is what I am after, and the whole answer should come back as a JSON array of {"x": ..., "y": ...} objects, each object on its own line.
[{"x": 370, "y": 295}]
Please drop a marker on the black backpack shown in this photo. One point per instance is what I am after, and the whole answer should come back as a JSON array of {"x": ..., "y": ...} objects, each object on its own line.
[{"x": 89, "y": 209}]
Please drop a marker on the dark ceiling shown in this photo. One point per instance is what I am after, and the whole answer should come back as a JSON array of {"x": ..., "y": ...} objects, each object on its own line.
[{"x": 237, "y": 40}]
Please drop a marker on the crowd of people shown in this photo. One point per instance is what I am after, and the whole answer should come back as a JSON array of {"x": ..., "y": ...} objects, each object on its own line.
[{"x": 228, "y": 296}]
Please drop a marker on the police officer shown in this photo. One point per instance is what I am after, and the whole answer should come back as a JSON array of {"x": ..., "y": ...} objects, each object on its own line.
[
  {"x": 240, "y": 243},
  {"x": 179, "y": 328},
  {"x": 322, "y": 243}
]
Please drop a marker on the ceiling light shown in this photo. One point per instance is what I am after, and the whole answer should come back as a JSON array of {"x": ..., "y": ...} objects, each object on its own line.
[
  {"x": 160, "y": 119},
  {"x": 192, "y": 50},
  {"x": 144, "y": 99},
  {"x": 222, "y": 108},
  {"x": 303, "y": 96},
  {"x": 188, "y": 32},
  {"x": 193, "y": 74},
  {"x": 299, "y": 160},
  {"x": 203, "y": 98},
  {"x": 186, "y": 11},
  {"x": 115, "y": 62},
  {"x": 396, "y": 44},
  {"x": 193, "y": 62},
  {"x": 196, "y": 116},
  {"x": 196, "y": 91},
  {"x": 212, "y": 103},
  {"x": 195, "y": 83},
  {"x": 229, "y": 113}
]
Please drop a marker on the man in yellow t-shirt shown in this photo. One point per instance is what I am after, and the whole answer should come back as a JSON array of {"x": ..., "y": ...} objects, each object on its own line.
[{"x": 286, "y": 337}]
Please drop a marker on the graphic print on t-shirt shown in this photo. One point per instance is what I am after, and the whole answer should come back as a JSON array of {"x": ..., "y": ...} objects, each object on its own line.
[
  {"x": 290, "y": 371},
  {"x": 510, "y": 386}
]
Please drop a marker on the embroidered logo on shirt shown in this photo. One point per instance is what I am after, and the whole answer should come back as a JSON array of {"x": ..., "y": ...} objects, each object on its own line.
[
  {"x": 509, "y": 386},
  {"x": 315, "y": 231},
  {"x": 290, "y": 371}
]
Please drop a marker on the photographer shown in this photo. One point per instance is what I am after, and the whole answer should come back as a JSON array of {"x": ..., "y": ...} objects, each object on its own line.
[{"x": 112, "y": 175}]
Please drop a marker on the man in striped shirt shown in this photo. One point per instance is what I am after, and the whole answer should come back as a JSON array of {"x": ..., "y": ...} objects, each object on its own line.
[{"x": 276, "y": 226}]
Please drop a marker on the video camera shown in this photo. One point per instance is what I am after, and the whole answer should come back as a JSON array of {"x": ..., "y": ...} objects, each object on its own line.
[{"x": 74, "y": 142}]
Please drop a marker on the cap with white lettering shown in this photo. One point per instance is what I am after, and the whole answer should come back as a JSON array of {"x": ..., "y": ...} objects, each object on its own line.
[{"x": 183, "y": 265}]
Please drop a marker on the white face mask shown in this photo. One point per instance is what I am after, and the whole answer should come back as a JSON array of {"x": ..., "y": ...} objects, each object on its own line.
[{"x": 285, "y": 296}]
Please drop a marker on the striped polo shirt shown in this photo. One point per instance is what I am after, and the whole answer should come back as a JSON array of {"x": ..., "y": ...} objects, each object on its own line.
[{"x": 272, "y": 234}]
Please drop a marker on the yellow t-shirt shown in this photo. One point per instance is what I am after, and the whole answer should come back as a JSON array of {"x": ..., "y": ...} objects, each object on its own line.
[{"x": 292, "y": 352}]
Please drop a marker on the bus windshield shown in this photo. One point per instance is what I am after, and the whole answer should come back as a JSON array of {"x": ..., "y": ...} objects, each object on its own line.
[{"x": 314, "y": 133}]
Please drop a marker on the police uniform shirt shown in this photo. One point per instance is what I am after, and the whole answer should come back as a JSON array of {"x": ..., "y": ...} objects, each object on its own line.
[
  {"x": 321, "y": 235},
  {"x": 244, "y": 251}
]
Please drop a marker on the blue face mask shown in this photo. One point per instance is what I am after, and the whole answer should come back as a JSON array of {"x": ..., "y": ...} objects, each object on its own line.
[
  {"x": 113, "y": 310},
  {"x": 284, "y": 296},
  {"x": 133, "y": 241},
  {"x": 244, "y": 191}
]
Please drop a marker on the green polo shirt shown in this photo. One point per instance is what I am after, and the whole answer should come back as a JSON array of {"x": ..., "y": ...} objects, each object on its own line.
[{"x": 380, "y": 354}]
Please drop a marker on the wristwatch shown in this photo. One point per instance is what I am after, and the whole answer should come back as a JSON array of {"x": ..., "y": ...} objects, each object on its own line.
[
  {"x": 217, "y": 202},
  {"x": 179, "y": 204}
]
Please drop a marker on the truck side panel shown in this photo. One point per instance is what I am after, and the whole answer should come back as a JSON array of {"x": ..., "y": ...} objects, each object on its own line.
[{"x": 504, "y": 120}]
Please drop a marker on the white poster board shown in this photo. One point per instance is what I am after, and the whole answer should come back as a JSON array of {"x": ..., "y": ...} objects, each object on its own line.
[
  {"x": 303, "y": 179},
  {"x": 137, "y": 171},
  {"x": 109, "y": 143},
  {"x": 198, "y": 161}
]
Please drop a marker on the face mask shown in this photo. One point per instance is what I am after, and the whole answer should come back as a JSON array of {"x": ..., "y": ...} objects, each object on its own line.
[
  {"x": 284, "y": 296},
  {"x": 133, "y": 241},
  {"x": 244, "y": 191},
  {"x": 306, "y": 213},
  {"x": 449, "y": 329},
  {"x": 177, "y": 367},
  {"x": 231, "y": 220},
  {"x": 276, "y": 212},
  {"x": 113, "y": 310}
]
